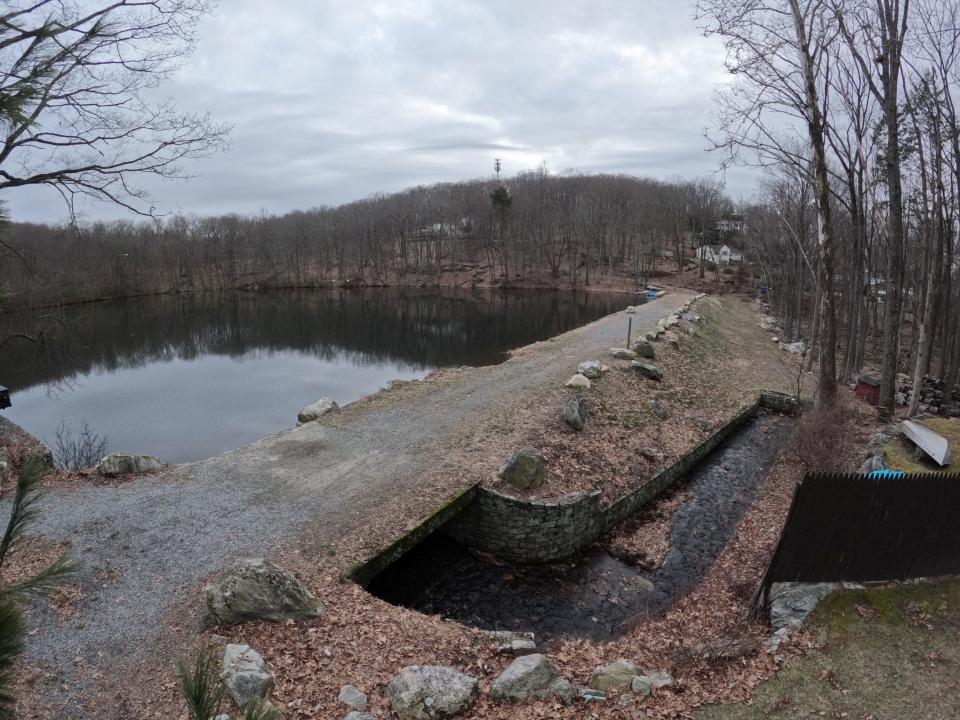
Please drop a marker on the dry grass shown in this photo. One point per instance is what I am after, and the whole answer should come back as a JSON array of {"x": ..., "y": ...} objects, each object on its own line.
[{"x": 881, "y": 653}]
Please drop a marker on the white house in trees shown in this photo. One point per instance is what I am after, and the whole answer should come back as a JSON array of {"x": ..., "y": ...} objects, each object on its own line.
[{"x": 719, "y": 254}]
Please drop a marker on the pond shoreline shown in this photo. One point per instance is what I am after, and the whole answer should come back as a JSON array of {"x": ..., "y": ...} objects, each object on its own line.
[{"x": 618, "y": 288}]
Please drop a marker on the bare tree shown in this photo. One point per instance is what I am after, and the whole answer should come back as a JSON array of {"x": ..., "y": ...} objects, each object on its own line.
[
  {"x": 875, "y": 31},
  {"x": 75, "y": 81},
  {"x": 779, "y": 53}
]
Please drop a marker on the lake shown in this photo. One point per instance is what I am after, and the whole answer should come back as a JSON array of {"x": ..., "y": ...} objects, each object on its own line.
[{"x": 187, "y": 377}]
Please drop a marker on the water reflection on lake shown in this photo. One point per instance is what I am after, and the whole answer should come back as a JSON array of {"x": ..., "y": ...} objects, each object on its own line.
[{"x": 188, "y": 377}]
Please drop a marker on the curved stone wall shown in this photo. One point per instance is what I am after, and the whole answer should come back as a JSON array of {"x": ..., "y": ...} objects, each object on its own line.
[{"x": 526, "y": 531}]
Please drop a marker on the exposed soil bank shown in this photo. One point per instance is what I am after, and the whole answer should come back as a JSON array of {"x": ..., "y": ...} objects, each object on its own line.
[{"x": 595, "y": 595}]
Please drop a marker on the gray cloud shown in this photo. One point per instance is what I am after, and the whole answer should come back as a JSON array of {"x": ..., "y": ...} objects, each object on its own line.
[{"x": 333, "y": 101}]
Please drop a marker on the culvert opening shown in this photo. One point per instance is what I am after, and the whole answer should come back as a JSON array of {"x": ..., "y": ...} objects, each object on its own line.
[{"x": 594, "y": 594}]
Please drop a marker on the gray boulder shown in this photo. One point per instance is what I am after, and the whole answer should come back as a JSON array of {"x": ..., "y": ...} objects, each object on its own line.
[
  {"x": 622, "y": 354},
  {"x": 649, "y": 371},
  {"x": 641, "y": 685},
  {"x": 428, "y": 692},
  {"x": 256, "y": 589},
  {"x": 614, "y": 676},
  {"x": 573, "y": 414},
  {"x": 518, "y": 647},
  {"x": 245, "y": 674},
  {"x": 530, "y": 675},
  {"x": 643, "y": 349},
  {"x": 127, "y": 463},
  {"x": 355, "y": 715},
  {"x": 791, "y": 603},
  {"x": 658, "y": 678},
  {"x": 525, "y": 470},
  {"x": 352, "y": 697},
  {"x": 590, "y": 369},
  {"x": 578, "y": 382},
  {"x": 317, "y": 410},
  {"x": 564, "y": 690}
]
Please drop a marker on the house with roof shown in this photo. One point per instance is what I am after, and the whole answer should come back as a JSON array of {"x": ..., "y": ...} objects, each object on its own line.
[{"x": 720, "y": 254}]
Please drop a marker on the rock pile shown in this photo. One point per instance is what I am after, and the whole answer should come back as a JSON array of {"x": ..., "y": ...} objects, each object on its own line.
[
  {"x": 935, "y": 399},
  {"x": 623, "y": 675}
]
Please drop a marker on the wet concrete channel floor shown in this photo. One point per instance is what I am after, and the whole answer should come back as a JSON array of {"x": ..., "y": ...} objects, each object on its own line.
[{"x": 593, "y": 595}]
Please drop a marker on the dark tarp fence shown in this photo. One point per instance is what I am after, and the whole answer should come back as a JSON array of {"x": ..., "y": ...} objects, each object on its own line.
[{"x": 861, "y": 528}]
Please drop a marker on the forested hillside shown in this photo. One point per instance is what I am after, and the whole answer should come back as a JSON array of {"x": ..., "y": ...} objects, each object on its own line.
[{"x": 531, "y": 229}]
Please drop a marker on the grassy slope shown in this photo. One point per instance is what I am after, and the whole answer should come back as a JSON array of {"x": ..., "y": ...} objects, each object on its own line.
[{"x": 884, "y": 654}]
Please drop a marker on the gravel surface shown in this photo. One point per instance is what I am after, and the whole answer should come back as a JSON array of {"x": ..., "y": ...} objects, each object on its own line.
[{"x": 145, "y": 547}]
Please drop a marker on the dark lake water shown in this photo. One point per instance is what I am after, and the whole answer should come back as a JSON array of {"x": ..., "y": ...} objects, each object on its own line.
[{"x": 188, "y": 377}]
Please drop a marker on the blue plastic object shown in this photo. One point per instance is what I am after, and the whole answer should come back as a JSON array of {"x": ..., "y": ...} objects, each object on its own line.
[{"x": 886, "y": 474}]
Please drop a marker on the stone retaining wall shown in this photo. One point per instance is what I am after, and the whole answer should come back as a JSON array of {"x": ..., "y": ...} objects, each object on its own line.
[
  {"x": 519, "y": 530},
  {"x": 527, "y": 530}
]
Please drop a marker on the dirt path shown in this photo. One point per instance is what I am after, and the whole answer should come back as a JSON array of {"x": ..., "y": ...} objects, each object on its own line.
[{"x": 146, "y": 546}]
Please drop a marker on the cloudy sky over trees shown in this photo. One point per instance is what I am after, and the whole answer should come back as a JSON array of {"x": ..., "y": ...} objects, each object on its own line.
[{"x": 332, "y": 101}]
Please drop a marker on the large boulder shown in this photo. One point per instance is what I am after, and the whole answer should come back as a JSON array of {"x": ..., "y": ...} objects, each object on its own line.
[
  {"x": 643, "y": 349},
  {"x": 317, "y": 410},
  {"x": 256, "y": 589},
  {"x": 614, "y": 676},
  {"x": 578, "y": 382},
  {"x": 127, "y": 463},
  {"x": 530, "y": 675},
  {"x": 648, "y": 370},
  {"x": 428, "y": 692},
  {"x": 525, "y": 470},
  {"x": 590, "y": 369},
  {"x": 791, "y": 603},
  {"x": 573, "y": 413},
  {"x": 245, "y": 674}
]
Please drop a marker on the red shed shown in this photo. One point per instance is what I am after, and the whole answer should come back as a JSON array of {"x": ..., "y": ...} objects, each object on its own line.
[{"x": 868, "y": 389}]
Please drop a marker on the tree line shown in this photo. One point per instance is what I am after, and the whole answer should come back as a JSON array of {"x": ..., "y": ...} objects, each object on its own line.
[
  {"x": 848, "y": 106},
  {"x": 566, "y": 230}
]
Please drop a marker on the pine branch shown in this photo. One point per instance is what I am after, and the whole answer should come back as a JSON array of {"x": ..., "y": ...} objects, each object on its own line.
[
  {"x": 23, "y": 511},
  {"x": 200, "y": 685}
]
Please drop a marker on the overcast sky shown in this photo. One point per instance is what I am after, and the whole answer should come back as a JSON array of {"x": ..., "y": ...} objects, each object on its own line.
[{"x": 333, "y": 100}]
